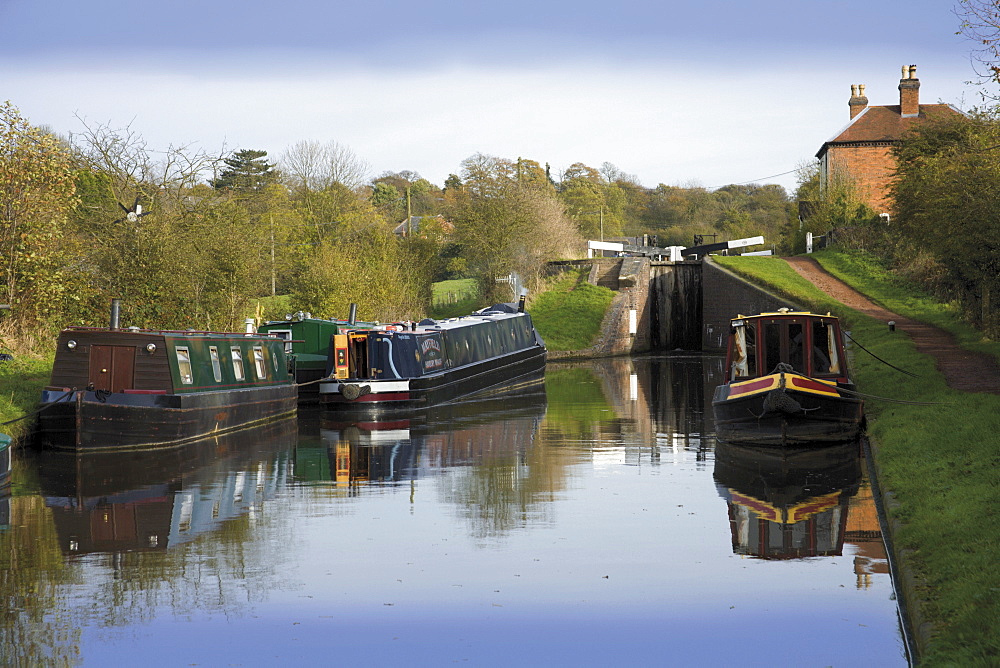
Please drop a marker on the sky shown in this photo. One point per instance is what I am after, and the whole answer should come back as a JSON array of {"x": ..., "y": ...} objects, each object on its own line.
[{"x": 703, "y": 93}]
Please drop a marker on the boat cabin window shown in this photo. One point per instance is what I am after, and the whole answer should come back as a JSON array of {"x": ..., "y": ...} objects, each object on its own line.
[
  {"x": 744, "y": 352},
  {"x": 184, "y": 365},
  {"x": 213, "y": 352},
  {"x": 784, "y": 341},
  {"x": 238, "y": 363},
  {"x": 259, "y": 363},
  {"x": 283, "y": 334},
  {"x": 825, "y": 356},
  {"x": 810, "y": 346}
]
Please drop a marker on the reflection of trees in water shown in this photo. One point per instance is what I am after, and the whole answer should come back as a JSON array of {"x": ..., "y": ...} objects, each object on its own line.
[
  {"x": 500, "y": 495},
  {"x": 227, "y": 564},
  {"x": 226, "y": 570},
  {"x": 34, "y": 612},
  {"x": 629, "y": 403},
  {"x": 510, "y": 481}
]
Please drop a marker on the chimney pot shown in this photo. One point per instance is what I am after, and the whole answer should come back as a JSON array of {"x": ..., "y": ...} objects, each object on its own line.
[
  {"x": 909, "y": 92},
  {"x": 858, "y": 101}
]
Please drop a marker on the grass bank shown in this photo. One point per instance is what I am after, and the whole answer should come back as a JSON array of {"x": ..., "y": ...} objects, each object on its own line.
[
  {"x": 453, "y": 298},
  {"x": 568, "y": 315},
  {"x": 21, "y": 381},
  {"x": 937, "y": 463}
]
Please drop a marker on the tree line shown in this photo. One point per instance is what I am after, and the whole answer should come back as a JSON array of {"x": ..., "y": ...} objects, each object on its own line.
[{"x": 190, "y": 239}]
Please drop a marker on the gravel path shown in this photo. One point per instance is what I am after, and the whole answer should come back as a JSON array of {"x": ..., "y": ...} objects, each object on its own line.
[{"x": 963, "y": 369}]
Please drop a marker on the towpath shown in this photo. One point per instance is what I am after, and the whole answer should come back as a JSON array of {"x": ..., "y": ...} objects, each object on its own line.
[{"x": 962, "y": 369}]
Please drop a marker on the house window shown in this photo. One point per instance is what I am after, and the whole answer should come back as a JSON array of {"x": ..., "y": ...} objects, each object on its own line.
[
  {"x": 258, "y": 360},
  {"x": 184, "y": 365},
  {"x": 238, "y": 363},
  {"x": 213, "y": 352}
]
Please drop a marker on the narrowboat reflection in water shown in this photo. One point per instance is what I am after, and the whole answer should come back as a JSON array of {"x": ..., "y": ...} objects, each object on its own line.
[
  {"x": 5, "y": 462},
  {"x": 153, "y": 500},
  {"x": 458, "y": 434},
  {"x": 787, "y": 503}
]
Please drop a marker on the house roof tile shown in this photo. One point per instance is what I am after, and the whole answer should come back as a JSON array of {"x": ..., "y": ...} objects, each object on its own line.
[{"x": 884, "y": 124}]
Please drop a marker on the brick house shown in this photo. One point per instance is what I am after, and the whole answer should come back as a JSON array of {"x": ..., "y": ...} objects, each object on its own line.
[{"x": 862, "y": 151}]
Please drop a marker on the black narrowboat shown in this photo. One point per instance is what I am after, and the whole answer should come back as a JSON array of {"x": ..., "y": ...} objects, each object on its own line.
[
  {"x": 131, "y": 388},
  {"x": 415, "y": 366},
  {"x": 787, "y": 382}
]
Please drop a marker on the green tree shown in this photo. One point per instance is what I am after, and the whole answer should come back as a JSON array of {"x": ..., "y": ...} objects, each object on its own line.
[
  {"x": 37, "y": 194},
  {"x": 947, "y": 202},
  {"x": 247, "y": 170},
  {"x": 505, "y": 225}
]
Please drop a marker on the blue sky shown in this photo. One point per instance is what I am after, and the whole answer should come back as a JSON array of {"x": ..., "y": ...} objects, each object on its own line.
[{"x": 707, "y": 93}]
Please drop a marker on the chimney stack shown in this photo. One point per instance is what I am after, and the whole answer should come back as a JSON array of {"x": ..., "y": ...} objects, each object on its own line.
[
  {"x": 909, "y": 92},
  {"x": 858, "y": 101}
]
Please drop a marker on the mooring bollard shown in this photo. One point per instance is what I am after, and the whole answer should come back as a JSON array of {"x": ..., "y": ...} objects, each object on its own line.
[{"x": 892, "y": 325}]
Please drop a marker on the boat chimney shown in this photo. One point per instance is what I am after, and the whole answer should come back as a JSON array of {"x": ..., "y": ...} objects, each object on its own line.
[
  {"x": 116, "y": 308},
  {"x": 353, "y": 317},
  {"x": 520, "y": 302},
  {"x": 249, "y": 325}
]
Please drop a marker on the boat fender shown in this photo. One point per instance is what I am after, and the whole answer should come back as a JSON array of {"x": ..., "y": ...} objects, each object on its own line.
[
  {"x": 777, "y": 401},
  {"x": 350, "y": 392}
]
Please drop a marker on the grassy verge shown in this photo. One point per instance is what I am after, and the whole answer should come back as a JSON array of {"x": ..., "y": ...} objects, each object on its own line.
[
  {"x": 867, "y": 274},
  {"x": 568, "y": 315},
  {"x": 450, "y": 299},
  {"x": 22, "y": 381},
  {"x": 938, "y": 462}
]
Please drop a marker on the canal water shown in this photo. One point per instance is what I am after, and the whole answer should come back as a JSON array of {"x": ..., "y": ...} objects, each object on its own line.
[{"x": 592, "y": 520}]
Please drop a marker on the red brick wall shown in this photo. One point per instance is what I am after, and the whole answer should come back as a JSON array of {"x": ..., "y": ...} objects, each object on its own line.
[{"x": 869, "y": 167}]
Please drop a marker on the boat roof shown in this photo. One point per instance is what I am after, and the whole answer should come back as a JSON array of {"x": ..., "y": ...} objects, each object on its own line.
[
  {"x": 468, "y": 320},
  {"x": 785, "y": 313},
  {"x": 169, "y": 333}
]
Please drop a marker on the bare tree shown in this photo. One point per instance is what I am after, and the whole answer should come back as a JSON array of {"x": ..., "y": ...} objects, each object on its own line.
[
  {"x": 135, "y": 168},
  {"x": 312, "y": 165},
  {"x": 980, "y": 23}
]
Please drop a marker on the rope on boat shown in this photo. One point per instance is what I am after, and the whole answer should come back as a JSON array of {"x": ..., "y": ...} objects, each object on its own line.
[
  {"x": 40, "y": 409},
  {"x": 875, "y": 396},
  {"x": 326, "y": 379},
  {"x": 908, "y": 373}
]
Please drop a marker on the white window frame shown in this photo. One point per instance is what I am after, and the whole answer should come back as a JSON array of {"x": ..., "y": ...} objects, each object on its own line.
[
  {"x": 184, "y": 369},
  {"x": 260, "y": 364},
  {"x": 213, "y": 353},
  {"x": 238, "y": 369}
]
